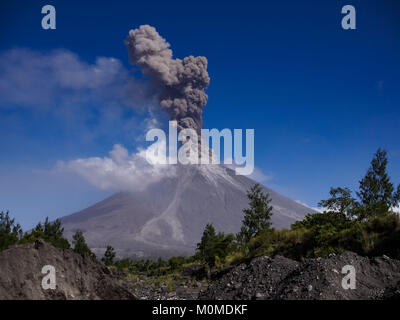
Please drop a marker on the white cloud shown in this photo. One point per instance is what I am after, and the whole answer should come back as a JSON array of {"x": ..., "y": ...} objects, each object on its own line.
[
  {"x": 91, "y": 100},
  {"x": 59, "y": 77},
  {"x": 259, "y": 176},
  {"x": 396, "y": 209},
  {"x": 121, "y": 170},
  {"x": 318, "y": 209},
  {"x": 102, "y": 98}
]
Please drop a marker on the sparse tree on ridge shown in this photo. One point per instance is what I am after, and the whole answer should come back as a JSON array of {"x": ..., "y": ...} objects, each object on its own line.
[
  {"x": 80, "y": 245},
  {"x": 257, "y": 217},
  {"x": 376, "y": 192},
  {"x": 51, "y": 232},
  {"x": 213, "y": 245},
  {"x": 340, "y": 202},
  {"x": 109, "y": 256},
  {"x": 10, "y": 232}
]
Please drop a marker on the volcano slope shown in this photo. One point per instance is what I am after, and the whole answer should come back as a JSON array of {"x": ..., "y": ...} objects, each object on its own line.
[{"x": 168, "y": 217}]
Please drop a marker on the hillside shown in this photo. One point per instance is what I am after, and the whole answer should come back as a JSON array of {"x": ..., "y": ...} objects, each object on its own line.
[
  {"x": 168, "y": 217},
  {"x": 77, "y": 277}
]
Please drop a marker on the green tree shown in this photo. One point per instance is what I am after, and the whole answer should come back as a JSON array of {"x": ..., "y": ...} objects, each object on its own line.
[
  {"x": 109, "y": 256},
  {"x": 10, "y": 232},
  {"x": 376, "y": 192},
  {"x": 51, "y": 232},
  {"x": 340, "y": 202},
  {"x": 80, "y": 245},
  {"x": 213, "y": 245},
  {"x": 174, "y": 263},
  {"x": 257, "y": 217}
]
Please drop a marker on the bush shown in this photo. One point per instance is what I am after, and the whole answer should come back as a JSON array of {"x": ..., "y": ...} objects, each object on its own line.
[
  {"x": 321, "y": 234},
  {"x": 109, "y": 256},
  {"x": 214, "y": 246},
  {"x": 10, "y": 232},
  {"x": 51, "y": 232},
  {"x": 80, "y": 245},
  {"x": 289, "y": 243},
  {"x": 257, "y": 217}
]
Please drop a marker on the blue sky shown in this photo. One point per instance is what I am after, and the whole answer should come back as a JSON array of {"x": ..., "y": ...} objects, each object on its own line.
[{"x": 321, "y": 99}]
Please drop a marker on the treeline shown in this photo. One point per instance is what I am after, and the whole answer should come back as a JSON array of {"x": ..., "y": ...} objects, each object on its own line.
[
  {"x": 362, "y": 221},
  {"x": 52, "y": 232},
  {"x": 11, "y": 233}
]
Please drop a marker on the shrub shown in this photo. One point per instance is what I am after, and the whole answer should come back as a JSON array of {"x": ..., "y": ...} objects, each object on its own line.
[
  {"x": 10, "y": 232},
  {"x": 109, "y": 256},
  {"x": 80, "y": 245},
  {"x": 51, "y": 232},
  {"x": 214, "y": 246}
]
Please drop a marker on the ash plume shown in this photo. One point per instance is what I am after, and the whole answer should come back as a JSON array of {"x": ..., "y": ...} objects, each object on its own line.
[{"x": 180, "y": 83}]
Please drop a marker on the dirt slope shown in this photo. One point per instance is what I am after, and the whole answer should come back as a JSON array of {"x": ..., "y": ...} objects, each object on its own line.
[
  {"x": 77, "y": 277},
  {"x": 267, "y": 278}
]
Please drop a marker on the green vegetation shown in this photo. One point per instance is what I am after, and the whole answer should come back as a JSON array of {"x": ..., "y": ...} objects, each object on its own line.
[
  {"x": 213, "y": 246},
  {"x": 363, "y": 223},
  {"x": 156, "y": 268},
  {"x": 257, "y": 218},
  {"x": 51, "y": 232},
  {"x": 80, "y": 246},
  {"x": 377, "y": 195},
  {"x": 10, "y": 232},
  {"x": 109, "y": 256}
]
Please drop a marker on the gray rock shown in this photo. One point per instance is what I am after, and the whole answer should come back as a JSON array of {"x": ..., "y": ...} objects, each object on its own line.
[
  {"x": 77, "y": 277},
  {"x": 281, "y": 278}
]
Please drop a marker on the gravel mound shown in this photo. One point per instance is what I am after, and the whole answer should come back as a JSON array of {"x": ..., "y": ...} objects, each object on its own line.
[
  {"x": 77, "y": 277},
  {"x": 182, "y": 289},
  {"x": 280, "y": 278}
]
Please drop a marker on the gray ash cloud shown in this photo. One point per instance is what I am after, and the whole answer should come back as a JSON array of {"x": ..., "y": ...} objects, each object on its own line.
[{"x": 180, "y": 83}]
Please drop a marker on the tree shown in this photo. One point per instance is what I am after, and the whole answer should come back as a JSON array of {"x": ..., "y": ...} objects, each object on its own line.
[
  {"x": 174, "y": 263},
  {"x": 257, "y": 217},
  {"x": 10, "y": 232},
  {"x": 80, "y": 245},
  {"x": 376, "y": 192},
  {"x": 205, "y": 246},
  {"x": 340, "y": 202},
  {"x": 397, "y": 197},
  {"x": 109, "y": 256},
  {"x": 51, "y": 232},
  {"x": 213, "y": 245}
]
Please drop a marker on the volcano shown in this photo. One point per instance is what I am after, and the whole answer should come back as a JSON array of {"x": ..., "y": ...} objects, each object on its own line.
[{"x": 169, "y": 216}]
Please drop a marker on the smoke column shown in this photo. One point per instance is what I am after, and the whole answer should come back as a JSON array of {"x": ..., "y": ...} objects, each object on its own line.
[{"x": 181, "y": 83}]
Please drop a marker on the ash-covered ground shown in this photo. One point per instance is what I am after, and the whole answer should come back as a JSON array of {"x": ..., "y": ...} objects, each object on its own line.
[{"x": 265, "y": 278}]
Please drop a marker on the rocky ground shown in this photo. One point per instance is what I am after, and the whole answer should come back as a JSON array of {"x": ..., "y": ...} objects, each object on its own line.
[
  {"x": 267, "y": 278},
  {"x": 262, "y": 278},
  {"x": 179, "y": 289}
]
